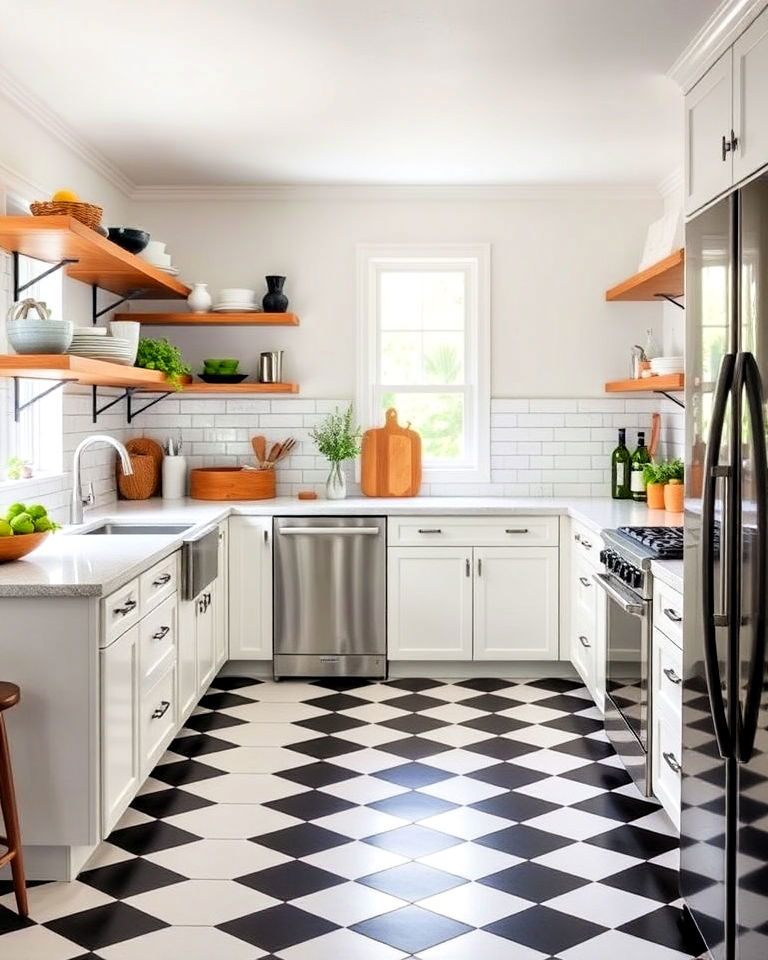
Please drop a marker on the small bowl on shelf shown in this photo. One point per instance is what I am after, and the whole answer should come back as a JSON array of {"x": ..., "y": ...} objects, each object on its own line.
[
  {"x": 223, "y": 377},
  {"x": 18, "y": 546},
  {"x": 129, "y": 238}
]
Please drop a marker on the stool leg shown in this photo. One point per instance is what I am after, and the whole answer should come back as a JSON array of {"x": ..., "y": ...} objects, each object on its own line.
[{"x": 11, "y": 818}]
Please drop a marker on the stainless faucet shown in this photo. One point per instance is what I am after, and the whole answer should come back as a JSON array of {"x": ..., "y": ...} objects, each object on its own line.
[{"x": 78, "y": 500}]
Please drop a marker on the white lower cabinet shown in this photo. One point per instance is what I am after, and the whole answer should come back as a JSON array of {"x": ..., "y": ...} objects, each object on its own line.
[
  {"x": 187, "y": 658},
  {"x": 465, "y": 603},
  {"x": 666, "y": 718},
  {"x": 587, "y": 621},
  {"x": 158, "y": 715},
  {"x": 250, "y": 588},
  {"x": 120, "y": 752},
  {"x": 515, "y": 603},
  {"x": 429, "y": 603},
  {"x": 206, "y": 607},
  {"x": 221, "y": 643}
]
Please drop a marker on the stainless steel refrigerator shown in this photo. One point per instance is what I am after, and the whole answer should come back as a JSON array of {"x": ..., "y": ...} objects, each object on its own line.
[{"x": 724, "y": 834}]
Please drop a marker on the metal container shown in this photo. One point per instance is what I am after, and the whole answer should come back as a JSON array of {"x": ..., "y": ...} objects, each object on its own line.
[
  {"x": 271, "y": 366},
  {"x": 200, "y": 561}
]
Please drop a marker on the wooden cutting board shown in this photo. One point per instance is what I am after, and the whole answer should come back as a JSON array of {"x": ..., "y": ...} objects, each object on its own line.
[{"x": 391, "y": 460}]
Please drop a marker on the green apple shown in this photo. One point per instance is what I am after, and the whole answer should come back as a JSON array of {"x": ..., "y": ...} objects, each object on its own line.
[
  {"x": 43, "y": 525},
  {"x": 5, "y": 529},
  {"x": 37, "y": 511},
  {"x": 23, "y": 523},
  {"x": 14, "y": 510}
]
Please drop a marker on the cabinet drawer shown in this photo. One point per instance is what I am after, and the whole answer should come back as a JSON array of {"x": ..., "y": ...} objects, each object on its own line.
[
  {"x": 474, "y": 531},
  {"x": 583, "y": 645},
  {"x": 668, "y": 611},
  {"x": 667, "y": 747},
  {"x": 157, "y": 719},
  {"x": 158, "y": 583},
  {"x": 119, "y": 611},
  {"x": 158, "y": 641},
  {"x": 583, "y": 587},
  {"x": 585, "y": 543},
  {"x": 667, "y": 675}
]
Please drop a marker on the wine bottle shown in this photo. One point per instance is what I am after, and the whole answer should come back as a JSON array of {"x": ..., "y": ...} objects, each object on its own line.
[
  {"x": 621, "y": 469},
  {"x": 640, "y": 457}
]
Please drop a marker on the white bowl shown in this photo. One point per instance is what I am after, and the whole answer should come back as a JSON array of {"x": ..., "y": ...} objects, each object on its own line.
[
  {"x": 237, "y": 295},
  {"x": 90, "y": 331}
]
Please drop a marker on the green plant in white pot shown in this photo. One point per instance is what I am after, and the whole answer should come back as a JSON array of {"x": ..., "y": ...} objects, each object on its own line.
[{"x": 338, "y": 439}]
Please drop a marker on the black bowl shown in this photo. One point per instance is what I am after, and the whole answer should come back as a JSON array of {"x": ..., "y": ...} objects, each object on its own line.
[
  {"x": 223, "y": 377},
  {"x": 129, "y": 238}
]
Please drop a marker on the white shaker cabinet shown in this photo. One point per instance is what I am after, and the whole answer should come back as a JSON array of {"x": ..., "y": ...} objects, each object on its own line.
[
  {"x": 429, "y": 603},
  {"x": 120, "y": 752},
  {"x": 708, "y": 124},
  {"x": 206, "y": 614},
  {"x": 515, "y": 603},
  {"x": 250, "y": 588},
  {"x": 221, "y": 643},
  {"x": 750, "y": 93},
  {"x": 587, "y": 622}
]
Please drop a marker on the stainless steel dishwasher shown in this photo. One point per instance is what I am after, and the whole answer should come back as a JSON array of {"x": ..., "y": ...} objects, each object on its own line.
[{"x": 330, "y": 597}]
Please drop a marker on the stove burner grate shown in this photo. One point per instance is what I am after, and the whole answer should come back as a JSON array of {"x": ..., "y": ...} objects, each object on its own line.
[{"x": 665, "y": 542}]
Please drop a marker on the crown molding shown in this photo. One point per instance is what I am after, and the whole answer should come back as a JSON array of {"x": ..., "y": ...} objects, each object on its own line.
[
  {"x": 392, "y": 192},
  {"x": 671, "y": 185},
  {"x": 32, "y": 107},
  {"x": 725, "y": 25},
  {"x": 13, "y": 182}
]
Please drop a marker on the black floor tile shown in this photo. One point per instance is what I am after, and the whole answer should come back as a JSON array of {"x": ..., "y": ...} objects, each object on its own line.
[
  {"x": 413, "y": 775},
  {"x": 617, "y": 806},
  {"x": 501, "y": 748},
  {"x": 234, "y": 683},
  {"x": 412, "y": 881},
  {"x": 587, "y": 748},
  {"x": 490, "y": 703},
  {"x": 413, "y": 841},
  {"x": 301, "y": 840},
  {"x": 507, "y": 775},
  {"x": 494, "y": 724},
  {"x": 213, "y": 721},
  {"x": 534, "y": 882},
  {"x": 185, "y": 771},
  {"x": 104, "y": 926},
  {"x": 150, "y": 837},
  {"x": 575, "y": 724},
  {"x": 525, "y": 842},
  {"x": 600, "y": 775},
  {"x": 199, "y": 744},
  {"x": 278, "y": 928},
  {"x": 414, "y": 748},
  {"x": 318, "y": 774},
  {"x": 310, "y": 805},
  {"x": 414, "y": 702},
  {"x": 649, "y": 880},
  {"x": 634, "y": 841},
  {"x": 168, "y": 803},
  {"x": 337, "y": 702},
  {"x": 665, "y": 926},
  {"x": 10, "y": 921},
  {"x": 414, "y": 684},
  {"x": 342, "y": 683},
  {"x": 331, "y": 723},
  {"x": 485, "y": 684},
  {"x": 546, "y": 930},
  {"x": 413, "y": 805},
  {"x": 413, "y": 723},
  {"x": 223, "y": 701},
  {"x": 411, "y": 929},
  {"x": 515, "y": 806},
  {"x": 322, "y": 748},
  {"x": 289, "y": 881},
  {"x": 129, "y": 878},
  {"x": 558, "y": 685},
  {"x": 563, "y": 702}
]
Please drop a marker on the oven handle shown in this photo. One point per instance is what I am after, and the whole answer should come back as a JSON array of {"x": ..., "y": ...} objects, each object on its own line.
[{"x": 625, "y": 598}]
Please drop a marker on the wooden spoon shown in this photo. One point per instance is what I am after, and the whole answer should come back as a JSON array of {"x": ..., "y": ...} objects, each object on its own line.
[{"x": 259, "y": 445}]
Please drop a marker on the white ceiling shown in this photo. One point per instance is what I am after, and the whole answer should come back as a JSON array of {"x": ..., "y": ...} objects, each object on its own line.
[{"x": 362, "y": 91}]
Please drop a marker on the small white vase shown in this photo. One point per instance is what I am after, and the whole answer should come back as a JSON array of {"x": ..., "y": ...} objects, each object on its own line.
[
  {"x": 199, "y": 299},
  {"x": 336, "y": 484}
]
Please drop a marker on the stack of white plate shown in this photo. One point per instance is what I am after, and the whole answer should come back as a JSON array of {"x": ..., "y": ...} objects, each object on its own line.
[
  {"x": 667, "y": 365},
  {"x": 95, "y": 347},
  {"x": 236, "y": 300},
  {"x": 155, "y": 253}
]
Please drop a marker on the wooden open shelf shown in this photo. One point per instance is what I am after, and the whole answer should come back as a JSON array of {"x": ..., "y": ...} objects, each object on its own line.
[
  {"x": 665, "y": 278},
  {"x": 211, "y": 319},
  {"x": 241, "y": 388},
  {"x": 96, "y": 373},
  {"x": 668, "y": 382},
  {"x": 99, "y": 261}
]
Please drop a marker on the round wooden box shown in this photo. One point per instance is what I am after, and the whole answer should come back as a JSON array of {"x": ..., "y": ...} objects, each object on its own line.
[{"x": 231, "y": 483}]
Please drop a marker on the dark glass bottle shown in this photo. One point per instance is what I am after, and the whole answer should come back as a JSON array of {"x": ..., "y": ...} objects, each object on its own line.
[
  {"x": 640, "y": 457},
  {"x": 621, "y": 469}
]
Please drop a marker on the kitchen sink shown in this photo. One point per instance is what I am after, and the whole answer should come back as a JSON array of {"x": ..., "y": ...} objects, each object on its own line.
[{"x": 112, "y": 528}]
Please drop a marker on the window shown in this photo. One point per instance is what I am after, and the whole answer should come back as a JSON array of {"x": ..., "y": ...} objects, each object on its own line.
[
  {"x": 37, "y": 437},
  {"x": 424, "y": 349}
]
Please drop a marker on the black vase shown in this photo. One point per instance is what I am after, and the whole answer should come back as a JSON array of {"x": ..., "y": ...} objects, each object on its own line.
[{"x": 275, "y": 301}]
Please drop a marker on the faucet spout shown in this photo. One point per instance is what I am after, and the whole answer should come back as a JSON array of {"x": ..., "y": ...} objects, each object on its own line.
[{"x": 78, "y": 500}]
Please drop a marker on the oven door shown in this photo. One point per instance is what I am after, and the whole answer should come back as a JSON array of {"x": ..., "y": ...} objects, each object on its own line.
[{"x": 627, "y": 675}]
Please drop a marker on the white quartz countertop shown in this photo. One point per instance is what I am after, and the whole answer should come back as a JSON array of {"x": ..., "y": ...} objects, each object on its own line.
[
  {"x": 669, "y": 572},
  {"x": 72, "y": 565}
]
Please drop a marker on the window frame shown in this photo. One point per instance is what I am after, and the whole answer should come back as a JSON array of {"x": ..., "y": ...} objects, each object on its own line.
[{"x": 475, "y": 261}]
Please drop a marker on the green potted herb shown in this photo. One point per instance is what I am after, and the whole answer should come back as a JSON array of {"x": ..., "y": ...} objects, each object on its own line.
[
  {"x": 663, "y": 485},
  {"x": 162, "y": 355},
  {"x": 654, "y": 478},
  {"x": 338, "y": 439},
  {"x": 674, "y": 491}
]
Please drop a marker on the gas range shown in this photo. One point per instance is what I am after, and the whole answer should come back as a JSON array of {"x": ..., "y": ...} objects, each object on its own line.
[{"x": 629, "y": 552}]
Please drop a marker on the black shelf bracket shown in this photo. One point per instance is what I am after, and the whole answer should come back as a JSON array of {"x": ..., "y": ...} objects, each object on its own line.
[
  {"x": 19, "y": 288},
  {"x": 672, "y": 298},
  {"x": 19, "y": 407},
  {"x": 97, "y": 410},
  {"x": 96, "y": 313},
  {"x": 671, "y": 397},
  {"x": 133, "y": 413}
]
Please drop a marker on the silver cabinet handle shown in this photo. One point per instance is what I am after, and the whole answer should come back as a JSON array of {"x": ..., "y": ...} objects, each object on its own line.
[
  {"x": 430, "y": 530},
  {"x": 162, "y": 580},
  {"x": 126, "y": 608},
  {"x": 577, "y": 537},
  {"x": 672, "y": 615},
  {"x": 670, "y": 674},
  {"x": 586, "y": 544},
  {"x": 467, "y": 568},
  {"x": 332, "y": 531},
  {"x": 584, "y": 642},
  {"x": 584, "y": 581},
  {"x": 672, "y": 762},
  {"x": 516, "y": 530},
  {"x": 161, "y": 634},
  {"x": 266, "y": 536},
  {"x": 479, "y": 567},
  {"x": 619, "y": 594},
  {"x": 161, "y": 710}
]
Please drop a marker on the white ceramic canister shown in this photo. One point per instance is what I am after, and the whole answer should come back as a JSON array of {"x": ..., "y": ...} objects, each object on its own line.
[
  {"x": 129, "y": 330},
  {"x": 174, "y": 478},
  {"x": 199, "y": 298}
]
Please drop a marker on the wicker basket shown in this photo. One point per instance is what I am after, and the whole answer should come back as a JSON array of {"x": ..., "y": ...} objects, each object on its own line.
[
  {"x": 140, "y": 484},
  {"x": 87, "y": 213}
]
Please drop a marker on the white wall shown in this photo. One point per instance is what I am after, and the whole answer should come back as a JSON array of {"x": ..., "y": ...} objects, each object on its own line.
[{"x": 553, "y": 334}]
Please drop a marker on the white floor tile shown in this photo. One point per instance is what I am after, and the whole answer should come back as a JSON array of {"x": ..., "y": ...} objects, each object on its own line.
[
  {"x": 576, "y": 824},
  {"x": 526, "y": 693},
  {"x": 53, "y": 900},
  {"x": 560, "y": 790},
  {"x": 375, "y": 712},
  {"x": 539, "y": 736},
  {"x": 266, "y": 734},
  {"x": 451, "y": 693},
  {"x": 348, "y": 903},
  {"x": 602, "y": 904},
  {"x": 189, "y": 943},
  {"x": 613, "y": 944},
  {"x": 364, "y": 789},
  {"x": 372, "y": 735},
  {"x": 151, "y": 785},
  {"x": 274, "y": 712},
  {"x": 217, "y": 859},
  {"x": 244, "y": 788},
  {"x": 479, "y": 945},
  {"x": 353, "y": 860},
  {"x": 203, "y": 903},
  {"x": 470, "y": 860},
  {"x": 550, "y": 761},
  {"x": 107, "y": 853},
  {"x": 532, "y": 713},
  {"x": 462, "y": 790},
  {"x": 376, "y": 693},
  {"x": 584, "y": 860},
  {"x": 260, "y": 759},
  {"x": 232, "y": 821},
  {"x": 453, "y": 713},
  {"x": 368, "y": 761},
  {"x": 287, "y": 691},
  {"x": 461, "y": 761},
  {"x": 659, "y": 822},
  {"x": 342, "y": 945},
  {"x": 465, "y": 822},
  {"x": 132, "y": 818},
  {"x": 475, "y": 904},
  {"x": 38, "y": 943},
  {"x": 359, "y": 822},
  {"x": 456, "y": 736}
]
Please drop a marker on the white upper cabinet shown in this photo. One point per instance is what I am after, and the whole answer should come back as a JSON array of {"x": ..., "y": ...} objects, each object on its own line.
[
  {"x": 516, "y": 603},
  {"x": 250, "y": 588},
  {"x": 750, "y": 98},
  {"x": 708, "y": 153}
]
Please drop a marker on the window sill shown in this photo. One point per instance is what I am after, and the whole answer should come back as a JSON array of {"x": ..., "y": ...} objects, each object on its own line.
[{"x": 8, "y": 486}]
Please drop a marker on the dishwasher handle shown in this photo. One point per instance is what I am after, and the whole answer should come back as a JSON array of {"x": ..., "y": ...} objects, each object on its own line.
[{"x": 319, "y": 531}]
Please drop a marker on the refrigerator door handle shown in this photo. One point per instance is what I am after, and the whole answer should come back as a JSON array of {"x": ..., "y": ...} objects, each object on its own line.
[
  {"x": 748, "y": 374},
  {"x": 712, "y": 470}
]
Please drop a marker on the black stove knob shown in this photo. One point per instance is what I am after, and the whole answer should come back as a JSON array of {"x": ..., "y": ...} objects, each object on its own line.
[
  {"x": 637, "y": 578},
  {"x": 603, "y": 555}
]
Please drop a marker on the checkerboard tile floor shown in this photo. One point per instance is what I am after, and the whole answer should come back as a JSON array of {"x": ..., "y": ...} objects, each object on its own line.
[{"x": 349, "y": 820}]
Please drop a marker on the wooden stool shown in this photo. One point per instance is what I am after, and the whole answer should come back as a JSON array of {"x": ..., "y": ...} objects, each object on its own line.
[{"x": 9, "y": 697}]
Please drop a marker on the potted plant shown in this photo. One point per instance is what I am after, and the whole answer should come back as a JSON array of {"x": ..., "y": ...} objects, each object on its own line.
[
  {"x": 654, "y": 478},
  {"x": 160, "y": 354},
  {"x": 674, "y": 491},
  {"x": 338, "y": 439}
]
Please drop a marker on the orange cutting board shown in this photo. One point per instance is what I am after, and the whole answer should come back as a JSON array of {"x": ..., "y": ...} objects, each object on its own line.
[{"x": 391, "y": 460}]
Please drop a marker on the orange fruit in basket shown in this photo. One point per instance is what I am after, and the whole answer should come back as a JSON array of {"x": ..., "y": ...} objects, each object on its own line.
[{"x": 68, "y": 196}]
